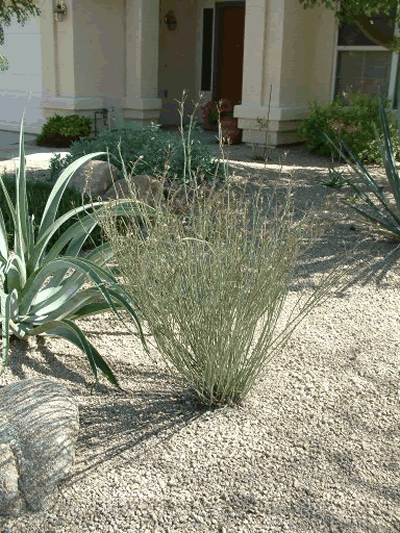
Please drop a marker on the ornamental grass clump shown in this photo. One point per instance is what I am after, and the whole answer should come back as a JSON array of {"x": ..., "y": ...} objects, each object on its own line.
[
  {"x": 370, "y": 201},
  {"x": 212, "y": 286},
  {"x": 42, "y": 284}
]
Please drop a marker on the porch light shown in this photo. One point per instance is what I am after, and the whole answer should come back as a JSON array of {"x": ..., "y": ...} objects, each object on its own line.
[
  {"x": 61, "y": 11},
  {"x": 170, "y": 20}
]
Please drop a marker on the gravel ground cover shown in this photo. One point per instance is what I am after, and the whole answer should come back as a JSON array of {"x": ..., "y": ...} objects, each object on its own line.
[{"x": 315, "y": 448}]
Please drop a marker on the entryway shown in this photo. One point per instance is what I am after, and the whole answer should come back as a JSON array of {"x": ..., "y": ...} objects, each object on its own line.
[{"x": 228, "y": 50}]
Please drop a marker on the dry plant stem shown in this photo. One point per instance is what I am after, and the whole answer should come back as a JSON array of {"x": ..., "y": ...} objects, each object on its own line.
[
  {"x": 263, "y": 125},
  {"x": 212, "y": 287}
]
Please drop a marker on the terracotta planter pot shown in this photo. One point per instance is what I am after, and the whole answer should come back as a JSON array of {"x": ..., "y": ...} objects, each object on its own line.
[
  {"x": 230, "y": 132},
  {"x": 207, "y": 126}
]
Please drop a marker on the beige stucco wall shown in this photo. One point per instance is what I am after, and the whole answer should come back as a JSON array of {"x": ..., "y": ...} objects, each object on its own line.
[
  {"x": 83, "y": 67},
  {"x": 99, "y": 56},
  {"x": 121, "y": 54},
  {"x": 104, "y": 54},
  {"x": 177, "y": 53},
  {"x": 297, "y": 59}
]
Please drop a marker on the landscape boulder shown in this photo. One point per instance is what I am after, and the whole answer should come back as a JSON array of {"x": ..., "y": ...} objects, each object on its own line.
[
  {"x": 95, "y": 177},
  {"x": 147, "y": 188},
  {"x": 39, "y": 424}
]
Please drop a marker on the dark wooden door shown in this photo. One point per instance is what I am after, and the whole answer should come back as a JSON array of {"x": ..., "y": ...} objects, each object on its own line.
[{"x": 229, "y": 46}]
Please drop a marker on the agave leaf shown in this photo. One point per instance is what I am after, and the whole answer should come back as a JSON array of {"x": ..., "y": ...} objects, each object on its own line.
[
  {"x": 365, "y": 176},
  {"x": 359, "y": 168},
  {"x": 14, "y": 307},
  {"x": 62, "y": 308},
  {"x": 18, "y": 248},
  {"x": 69, "y": 306},
  {"x": 66, "y": 329},
  {"x": 123, "y": 300},
  {"x": 15, "y": 274},
  {"x": 376, "y": 216},
  {"x": 51, "y": 300},
  {"x": 58, "y": 190},
  {"x": 99, "y": 255},
  {"x": 97, "y": 274},
  {"x": 4, "y": 252},
  {"x": 24, "y": 227},
  {"x": 389, "y": 160},
  {"x": 42, "y": 241},
  {"x": 77, "y": 234},
  {"x": 5, "y": 300},
  {"x": 385, "y": 223},
  {"x": 10, "y": 205}
]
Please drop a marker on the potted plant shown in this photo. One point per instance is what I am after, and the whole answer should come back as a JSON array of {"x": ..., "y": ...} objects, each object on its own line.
[
  {"x": 209, "y": 114},
  {"x": 223, "y": 111}
]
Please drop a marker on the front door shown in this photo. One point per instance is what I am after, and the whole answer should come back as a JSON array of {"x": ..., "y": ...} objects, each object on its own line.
[{"x": 229, "y": 46}]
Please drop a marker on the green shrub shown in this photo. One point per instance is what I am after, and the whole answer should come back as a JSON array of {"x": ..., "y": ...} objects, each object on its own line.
[
  {"x": 145, "y": 151},
  {"x": 67, "y": 129},
  {"x": 353, "y": 124}
]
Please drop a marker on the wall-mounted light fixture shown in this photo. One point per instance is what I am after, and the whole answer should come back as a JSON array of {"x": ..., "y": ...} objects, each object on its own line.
[
  {"x": 60, "y": 11},
  {"x": 170, "y": 20}
]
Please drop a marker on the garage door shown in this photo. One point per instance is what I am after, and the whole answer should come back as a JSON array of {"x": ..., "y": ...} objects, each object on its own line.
[{"x": 23, "y": 51}]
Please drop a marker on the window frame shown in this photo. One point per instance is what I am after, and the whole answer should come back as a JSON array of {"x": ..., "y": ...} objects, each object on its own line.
[{"x": 394, "y": 64}]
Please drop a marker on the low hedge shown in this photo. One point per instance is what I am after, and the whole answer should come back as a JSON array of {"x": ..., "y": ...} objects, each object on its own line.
[
  {"x": 148, "y": 150},
  {"x": 355, "y": 121}
]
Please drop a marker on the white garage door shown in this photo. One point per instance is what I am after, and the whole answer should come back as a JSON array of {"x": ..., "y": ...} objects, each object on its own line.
[{"x": 23, "y": 50}]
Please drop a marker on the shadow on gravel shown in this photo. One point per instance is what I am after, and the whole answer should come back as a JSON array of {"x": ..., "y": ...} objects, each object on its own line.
[
  {"x": 345, "y": 240},
  {"x": 52, "y": 367},
  {"x": 140, "y": 420}
]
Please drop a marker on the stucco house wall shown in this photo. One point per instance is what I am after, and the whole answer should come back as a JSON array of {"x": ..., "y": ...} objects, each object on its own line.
[
  {"x": 291, "y": 60},
  {"x": 120, "y": 55}
]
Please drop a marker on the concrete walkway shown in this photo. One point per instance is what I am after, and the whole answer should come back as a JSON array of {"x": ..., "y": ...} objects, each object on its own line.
[{"x": 36, "y": 156}]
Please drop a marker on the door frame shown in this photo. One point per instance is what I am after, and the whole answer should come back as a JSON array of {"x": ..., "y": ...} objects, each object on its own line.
[{"x": 218, "y": 20}]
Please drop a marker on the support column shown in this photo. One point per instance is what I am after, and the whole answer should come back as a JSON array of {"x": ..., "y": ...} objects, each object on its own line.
[
  {"x": 288, "y": 56},
  {"x": 142, "y": 30},
  {"x": 82, "y": 57}
]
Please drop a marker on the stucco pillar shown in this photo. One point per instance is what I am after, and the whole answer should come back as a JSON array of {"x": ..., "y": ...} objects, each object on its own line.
[
  {"x": 288, "y": 58},
  {"x": 142, "y": 31},
  {"x": 82, "y": 57}
]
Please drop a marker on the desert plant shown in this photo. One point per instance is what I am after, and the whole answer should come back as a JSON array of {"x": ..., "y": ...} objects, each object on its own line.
[
  {"x": 353, "y": 122},
  {"x": 38, "y": 192},
  {"x": 336, "y": 179},
  {"x": 260, "y": 151},
  {"x": 212, "y": 286},
  {"x": 41, "y": 289},
  {"x": 144, "y": 151},
  {"x": 67, "y": 129},
  {"x": 381, "y": 211}
]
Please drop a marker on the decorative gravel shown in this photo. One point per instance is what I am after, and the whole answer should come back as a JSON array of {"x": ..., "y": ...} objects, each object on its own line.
[{"x": 315, "y": 447}]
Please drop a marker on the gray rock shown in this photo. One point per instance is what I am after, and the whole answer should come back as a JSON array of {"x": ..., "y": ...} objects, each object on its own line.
[
  {"x": 147, "y": 188},
  {"x": 95, "y": 177},
  {"x": 39, "y": 424}
]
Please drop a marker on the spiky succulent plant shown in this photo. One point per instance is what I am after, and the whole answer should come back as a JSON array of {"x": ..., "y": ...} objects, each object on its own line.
[{"x": 42, "y": 287}]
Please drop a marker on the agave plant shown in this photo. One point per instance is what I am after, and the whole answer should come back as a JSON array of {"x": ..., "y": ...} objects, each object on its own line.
[
  {"x": 41, "y": 286},
  {"x": 378, "y": 210}
]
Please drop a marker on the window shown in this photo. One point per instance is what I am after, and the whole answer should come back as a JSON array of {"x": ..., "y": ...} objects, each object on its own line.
[
  {"x": 206, "y": 63},
  {"x": 362, "y": 66}
]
